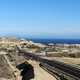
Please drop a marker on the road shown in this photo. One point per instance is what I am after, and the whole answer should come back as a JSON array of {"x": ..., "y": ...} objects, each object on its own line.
[
  {"x": 61, "y": 67},
  {"x": 40, "y": 73}
]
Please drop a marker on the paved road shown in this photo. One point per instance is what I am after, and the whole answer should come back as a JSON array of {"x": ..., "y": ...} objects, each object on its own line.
[{"x": 64, "y": 68}]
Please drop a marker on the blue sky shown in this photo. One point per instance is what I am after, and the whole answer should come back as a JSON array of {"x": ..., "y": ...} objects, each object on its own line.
[{"x": 40, "y": 18}]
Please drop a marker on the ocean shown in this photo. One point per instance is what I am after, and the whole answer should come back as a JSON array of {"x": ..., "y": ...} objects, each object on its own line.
[{"x": 60, "y": 41}]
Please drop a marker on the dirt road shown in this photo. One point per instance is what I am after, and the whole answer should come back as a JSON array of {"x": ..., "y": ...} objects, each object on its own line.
[{"x": 40, "y": 74}]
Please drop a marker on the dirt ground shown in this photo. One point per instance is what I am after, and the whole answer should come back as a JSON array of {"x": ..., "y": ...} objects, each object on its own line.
[
  {"x": 40, "y": 74},
  {"x": 74, "y": 61}
]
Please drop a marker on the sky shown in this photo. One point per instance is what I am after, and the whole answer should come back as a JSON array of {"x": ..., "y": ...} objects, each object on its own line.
[{"x": 40, "y": 18}]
